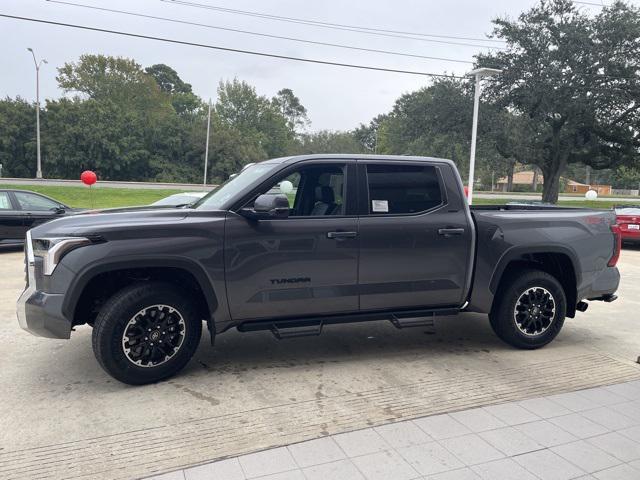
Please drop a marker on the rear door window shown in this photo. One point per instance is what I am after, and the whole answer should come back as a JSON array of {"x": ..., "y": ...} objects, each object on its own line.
[
  {"x": 5, "y": 203},
  {"x": 403, "y": 189}
]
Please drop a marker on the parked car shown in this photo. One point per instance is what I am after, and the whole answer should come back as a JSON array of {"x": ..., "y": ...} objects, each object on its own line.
[
  {"x": 628, "y": 218},
  {"x": 21, "y": 210},
  {"x": 180, "y": 199},
  {"x": 364, "y": 238}
]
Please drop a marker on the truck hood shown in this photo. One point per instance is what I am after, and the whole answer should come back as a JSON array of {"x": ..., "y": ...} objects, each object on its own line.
[{"x": 97, "y": 222}]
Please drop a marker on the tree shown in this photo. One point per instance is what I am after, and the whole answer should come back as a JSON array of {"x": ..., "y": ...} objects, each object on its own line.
[
  {"x": 182, "y": 97},
  {"x": 573, "y": 80},
  {"x": 327, "y": 141},
  {"x": 367, "y": 135},
  {"x": 290, "y": 108},
  {"x": 253, "y": 115},
  {"x": 17, "y": 138}
]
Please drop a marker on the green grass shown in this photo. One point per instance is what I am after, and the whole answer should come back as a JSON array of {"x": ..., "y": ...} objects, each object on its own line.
[
  {"x": 104, "y": 197},
  {"x": 82, "y": 197},
  {"x": 605, "y": 205}
]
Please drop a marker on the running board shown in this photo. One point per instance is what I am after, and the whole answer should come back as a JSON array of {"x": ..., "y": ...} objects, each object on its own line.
[{"x": 305, "y": 327}]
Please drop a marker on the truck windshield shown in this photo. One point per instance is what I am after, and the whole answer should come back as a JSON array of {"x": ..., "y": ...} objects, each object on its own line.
[{"x": 218, "y": 197}]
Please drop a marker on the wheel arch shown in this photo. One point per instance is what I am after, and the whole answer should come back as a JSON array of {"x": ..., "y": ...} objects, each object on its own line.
[
  {"x": 557, "y": 261},
  {"x": 109, "y": 276}
]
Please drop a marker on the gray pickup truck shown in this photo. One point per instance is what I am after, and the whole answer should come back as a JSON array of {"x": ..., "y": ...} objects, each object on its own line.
[{"x": 293, "y": 244}]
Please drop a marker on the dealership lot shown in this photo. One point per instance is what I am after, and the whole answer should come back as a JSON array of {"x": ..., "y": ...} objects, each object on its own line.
[{"x": 67, "y": 418}]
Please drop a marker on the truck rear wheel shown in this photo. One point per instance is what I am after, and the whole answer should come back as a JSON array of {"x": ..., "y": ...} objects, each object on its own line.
[
  {"x": 530, "y": 309},
  {"x": 146, "y": 332}
]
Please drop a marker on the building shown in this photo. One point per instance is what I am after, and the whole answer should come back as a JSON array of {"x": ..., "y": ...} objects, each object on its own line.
[
  {"x": 520, "y": 178},
  {"x": 572, "y": 186}
]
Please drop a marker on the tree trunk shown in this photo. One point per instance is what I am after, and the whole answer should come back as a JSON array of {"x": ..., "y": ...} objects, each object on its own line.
[
  {"x": 551, "y": 187},
  {"x": 534, "y": 186},
  {"x": 512, "y": 164}
]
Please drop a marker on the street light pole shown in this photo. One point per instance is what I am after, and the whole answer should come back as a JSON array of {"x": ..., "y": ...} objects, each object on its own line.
[
  {"x": 206, "y": 148},
  {"x": 37, "y": 65},
  {"x": 478, "y": 73}
]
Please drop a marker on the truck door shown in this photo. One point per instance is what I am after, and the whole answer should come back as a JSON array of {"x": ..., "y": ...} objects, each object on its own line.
[
  {"x": 12, "y": 228},
  {"x": 415, "y": 235},
  {"x": 303, "y": 265}
]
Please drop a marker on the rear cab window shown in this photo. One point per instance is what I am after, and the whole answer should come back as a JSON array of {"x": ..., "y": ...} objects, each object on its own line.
[{"x": 402, "y": 189}]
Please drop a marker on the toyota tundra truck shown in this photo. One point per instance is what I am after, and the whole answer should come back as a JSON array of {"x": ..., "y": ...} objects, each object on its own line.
[{"x": 292, "y": 245}]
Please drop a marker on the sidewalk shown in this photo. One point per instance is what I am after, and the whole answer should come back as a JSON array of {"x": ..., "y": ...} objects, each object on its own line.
[{"x": 588, "y": 434}]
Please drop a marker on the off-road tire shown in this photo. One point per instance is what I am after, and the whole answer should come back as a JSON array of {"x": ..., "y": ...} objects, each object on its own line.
[
  {"x": 115, "y": 314},
  {"x": 503, "y": 318}
]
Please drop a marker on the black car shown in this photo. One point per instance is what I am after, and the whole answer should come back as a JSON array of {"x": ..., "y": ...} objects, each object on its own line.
[{"x": 21, "y": 210}]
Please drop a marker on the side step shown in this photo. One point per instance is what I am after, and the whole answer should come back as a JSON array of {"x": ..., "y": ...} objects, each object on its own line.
[
  {"x": 282, "y": 331},
  {"x": 305, "y": 327}
]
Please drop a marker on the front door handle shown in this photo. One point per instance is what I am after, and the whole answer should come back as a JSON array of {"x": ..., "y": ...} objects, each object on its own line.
[
  {"x": 341, "y": 235},
  {"x": 449, "y": 232}
]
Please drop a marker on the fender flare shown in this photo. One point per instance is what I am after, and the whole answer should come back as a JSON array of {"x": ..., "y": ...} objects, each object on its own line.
[
  {"x": 82, "y": 279},
  {"x": 516, "y": 252}
]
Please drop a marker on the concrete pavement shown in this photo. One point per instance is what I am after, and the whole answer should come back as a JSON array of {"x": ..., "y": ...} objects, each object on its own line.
[
  {"x": 588, "y": 434},
  {"x": 63, "y": 417}
]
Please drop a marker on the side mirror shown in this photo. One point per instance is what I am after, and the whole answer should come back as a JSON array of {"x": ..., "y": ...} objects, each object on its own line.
[
  {"x": 58, "y": 210},
  {"x": 268, "y": 207}
]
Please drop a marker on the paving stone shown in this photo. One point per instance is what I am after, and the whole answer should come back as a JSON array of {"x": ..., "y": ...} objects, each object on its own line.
[
  {"x": 510, "y": 441},
  {"x": 573, "y": 401},
  {"x": 546, "y": 433},
  {"x": 544, "y": 408},
  {"x": 177, "y": 475},
  {"x": 546, "y": 465},
  {"x": 630, "y": 409},
  {"x": 441, "y": 426},
  {"x": 609, "y": 418},
  {"x": 471, "y": 449},
  {"x": 477, "y": 420},
  {"x": 586, "y": 456},
  {"x": 579, "y": 426},
  {"x": 601, "y": 396},
  {"x": 633, "y": 433},
  {"x": 290, "y": 475},
  {"x": 430, "y": 458},
  {"x": 512, "y": 413},
  {"x": 340, "y": 470},
  {"x": 620, "y": 472},
  {"x": 315, "y": 452},
  {"x": 403, "y": 434},
  {"x": 276, "y": 460},
  {"x": 617, "y": 445},
  {"x": 385, "y": 465},
  {"x": 503, "y": 469},
  {"x": 361, "y": 442},
  {"x": 460, "y": 474},
  {"x": 627, "y": 390},
  {"x": 223, "y": 470}
]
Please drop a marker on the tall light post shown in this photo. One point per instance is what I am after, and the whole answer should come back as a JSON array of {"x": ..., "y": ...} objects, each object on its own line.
[
  {"x": 38, "y": 65},
  {"x": 479, "y": 74},
  {"x": 206, "y": 148}
]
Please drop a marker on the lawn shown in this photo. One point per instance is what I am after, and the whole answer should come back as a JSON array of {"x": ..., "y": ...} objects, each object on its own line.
[
  {"x": 107, "y": 197},
  {"x": 82, "y": 197}
]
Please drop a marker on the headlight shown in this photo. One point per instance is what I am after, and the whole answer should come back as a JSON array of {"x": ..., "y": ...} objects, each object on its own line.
[{"x": 51, "y": 250}]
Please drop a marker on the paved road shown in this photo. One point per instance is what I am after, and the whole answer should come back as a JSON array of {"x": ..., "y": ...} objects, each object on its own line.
[{"x": 63, "y": 417}]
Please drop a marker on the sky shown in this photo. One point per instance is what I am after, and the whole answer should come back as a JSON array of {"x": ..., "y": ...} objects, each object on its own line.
[{"x": 336, "y": 98}]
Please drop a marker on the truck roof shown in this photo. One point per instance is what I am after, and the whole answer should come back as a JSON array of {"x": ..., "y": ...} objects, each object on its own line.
[{"x": 338, "y": 156}]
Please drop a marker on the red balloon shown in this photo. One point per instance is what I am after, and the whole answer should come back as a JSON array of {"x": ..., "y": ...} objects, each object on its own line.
[
  {"x": 88, "y": 177},
  {"x": 466, "y": 191}
]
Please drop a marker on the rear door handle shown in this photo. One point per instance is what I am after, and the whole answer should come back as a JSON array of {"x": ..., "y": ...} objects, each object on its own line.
[
  {"x": 341, "y": 235},
  {"x": 448, "y": 232}
]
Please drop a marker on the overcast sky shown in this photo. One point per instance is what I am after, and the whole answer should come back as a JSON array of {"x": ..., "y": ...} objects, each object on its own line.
[{"x": 336, "y": 98}]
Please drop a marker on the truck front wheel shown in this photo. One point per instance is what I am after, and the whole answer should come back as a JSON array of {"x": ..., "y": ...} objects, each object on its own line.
[
  {"x": 530, "y": 309},
  {"x": 146, "y": 332}
]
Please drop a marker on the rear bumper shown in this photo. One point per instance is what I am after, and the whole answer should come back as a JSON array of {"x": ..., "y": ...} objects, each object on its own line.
[
  {"x": 630, "y": 235},
  {"x": 604, "y": 285}
]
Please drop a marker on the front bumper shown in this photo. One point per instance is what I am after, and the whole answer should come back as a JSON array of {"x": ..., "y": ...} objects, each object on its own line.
[{"x": 40, "y": 313}]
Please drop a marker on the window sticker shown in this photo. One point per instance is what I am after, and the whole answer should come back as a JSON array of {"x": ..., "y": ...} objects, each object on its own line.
[{"x": 379, "y": 206}]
